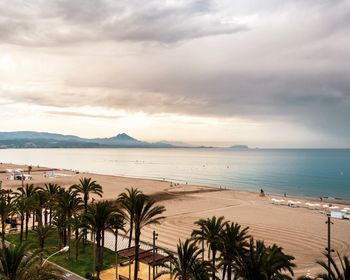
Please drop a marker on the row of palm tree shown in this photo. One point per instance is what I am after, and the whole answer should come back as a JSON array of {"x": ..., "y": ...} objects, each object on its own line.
[
  {"x": 238, "y": 256},
  {"x": 67, "y": 211},
  {"x": 51, "y": 208},
  {"x": 231, "y": 250}
]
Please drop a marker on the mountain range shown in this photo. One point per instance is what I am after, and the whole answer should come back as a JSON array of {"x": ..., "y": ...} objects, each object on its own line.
[{"x": 32, "y": 139}]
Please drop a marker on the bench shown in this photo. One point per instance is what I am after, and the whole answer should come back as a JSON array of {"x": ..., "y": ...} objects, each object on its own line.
[{"x": 121, "y": 277}]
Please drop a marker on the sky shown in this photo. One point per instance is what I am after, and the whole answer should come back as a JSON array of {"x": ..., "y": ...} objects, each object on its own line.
[{"x": 266, "y": 73}]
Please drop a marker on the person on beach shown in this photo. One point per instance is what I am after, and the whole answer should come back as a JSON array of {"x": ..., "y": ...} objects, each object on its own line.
[{"x": 262, "y": 193}]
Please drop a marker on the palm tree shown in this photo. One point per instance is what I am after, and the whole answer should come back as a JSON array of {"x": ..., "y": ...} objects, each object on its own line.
[
  {"x": 60, "y": 222},
  {"x": 335, "y": 272},
  {"x": 209, "y": 231},
  {"x": 6, "y": 207},
  {"x": 127, "y": 201},
  {"x": 28, "y": 192},
  {"x": 264, "y": 263},
  {"x": 74, "y": 205},
  {"x": 51, "y": 191},
  {"x": 86, "y": 187},
  {"x": 98, "y": 218},
  {"x": 16, "y": 263},
  {"x": 116, "y": 223},
  {"x": 21, "y": 207},
  {"x": 145, "y": 213},
  {"x": 42, "y": 233},
  {"x": 68, "y": 204},
  {"x": 233, "y": 242},
  {"x": 41, "y": 200},
  {"x": 77, "y": 223},
  {"x": 187, "y": 265}
]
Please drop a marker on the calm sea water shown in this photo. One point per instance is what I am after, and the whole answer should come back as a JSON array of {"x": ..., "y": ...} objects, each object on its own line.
[{"x": 313, "y": 173}]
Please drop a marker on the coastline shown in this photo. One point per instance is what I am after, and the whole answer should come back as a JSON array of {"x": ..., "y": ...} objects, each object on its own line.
[
  {"x": 325, "y": 199},
  {"x": 300, "y": 231}
]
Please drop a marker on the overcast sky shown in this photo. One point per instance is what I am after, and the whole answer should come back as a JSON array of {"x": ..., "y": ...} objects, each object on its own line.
[{"x": 266, "y": 73}]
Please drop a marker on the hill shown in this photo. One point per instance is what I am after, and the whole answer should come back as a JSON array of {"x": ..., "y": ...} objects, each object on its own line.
[{"x": 32, "y": 139}]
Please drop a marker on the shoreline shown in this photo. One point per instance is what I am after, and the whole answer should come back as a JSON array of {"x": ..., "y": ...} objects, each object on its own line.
[{"x": 329, "y": 200}]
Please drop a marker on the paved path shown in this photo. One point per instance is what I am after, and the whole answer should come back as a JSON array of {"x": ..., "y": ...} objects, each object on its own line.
[{"x": 69, "y": 275}]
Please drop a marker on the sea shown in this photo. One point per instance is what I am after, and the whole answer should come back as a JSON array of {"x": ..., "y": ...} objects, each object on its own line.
[{"x": 310, "y": 173}]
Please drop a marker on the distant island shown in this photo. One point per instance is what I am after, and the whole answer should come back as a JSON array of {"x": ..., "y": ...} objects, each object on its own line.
[{"x": 240, "y": 147}]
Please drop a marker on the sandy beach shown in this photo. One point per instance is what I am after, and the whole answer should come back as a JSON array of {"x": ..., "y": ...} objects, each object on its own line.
[{"x": 301, "y": 232}]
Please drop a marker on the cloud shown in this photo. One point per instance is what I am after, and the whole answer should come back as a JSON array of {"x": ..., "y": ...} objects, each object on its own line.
[
  {"x": 284, "y": 61},
  {"x": 79, "y": 114},
  {"x": 48, "y": 23}
]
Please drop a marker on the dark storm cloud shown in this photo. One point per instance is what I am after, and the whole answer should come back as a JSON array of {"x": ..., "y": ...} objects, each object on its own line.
[{"x": 62, "y": 22}]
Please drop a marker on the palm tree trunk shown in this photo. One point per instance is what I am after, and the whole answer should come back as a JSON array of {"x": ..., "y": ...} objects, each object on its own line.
[
  {"x": 69, "y": 238},
  {"x": 213, "y": 260},
  {"x": 93, "y": 237},
  {"x": 98, "y": 254},
  {"x": 84, "y": 230},
  {"x": 21, "y": 229},
  {"x": 136, "y": 261},
  {"x": 224, "y": 272},
  {"x": 102, "y": 248},
  {"x": 131, "y": 229},
  {"x": 33, "y": 225},
  {"x": 27, "y": 222},
  {"x": 39, "y": 218},
  {"x": 229, "y": 272},
  {"x": 76, "y": 243},
  {"x": 42, "y": 242},
  {"x": 50, "y": 219},
  {"x": 65, "y": 236},
  {"x": 3, "y": 232},
  {"x": 116, "y": 255},
  {"x": 45, "y": 216},
  {"x": 60, "y": 238}
]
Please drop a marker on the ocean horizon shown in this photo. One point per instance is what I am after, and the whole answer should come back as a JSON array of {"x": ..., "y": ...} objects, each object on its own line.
[{"x": 310, "y": 173}]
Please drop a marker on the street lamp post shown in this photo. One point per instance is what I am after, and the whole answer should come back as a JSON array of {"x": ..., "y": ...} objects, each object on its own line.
[
  {"x": 63, "y": 250},
  {"x": 329, "y": 250},
  {"x": 155, "y": 237}
]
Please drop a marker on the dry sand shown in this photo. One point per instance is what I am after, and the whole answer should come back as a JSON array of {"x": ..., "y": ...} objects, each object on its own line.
[{"x": 300, "y": 231}]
